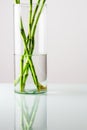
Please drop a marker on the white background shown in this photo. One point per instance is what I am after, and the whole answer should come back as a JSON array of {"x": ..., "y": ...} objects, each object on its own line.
[{"x": 67, "y": 41}]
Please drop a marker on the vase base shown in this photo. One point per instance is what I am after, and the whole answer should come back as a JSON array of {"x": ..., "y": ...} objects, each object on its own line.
[{"x": 33, "y": 91}]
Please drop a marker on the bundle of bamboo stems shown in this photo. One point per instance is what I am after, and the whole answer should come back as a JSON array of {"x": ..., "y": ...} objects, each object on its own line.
[{"x": 29, "y": 43}]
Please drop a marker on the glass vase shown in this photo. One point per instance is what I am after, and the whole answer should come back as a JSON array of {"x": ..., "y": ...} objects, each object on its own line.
[{"x": 30, "y": 55}]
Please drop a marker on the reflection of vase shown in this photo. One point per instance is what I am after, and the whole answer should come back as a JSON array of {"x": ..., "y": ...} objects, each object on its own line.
[
  {"x": 30, "y": 67},
  {"x": 30, "y": 112}
]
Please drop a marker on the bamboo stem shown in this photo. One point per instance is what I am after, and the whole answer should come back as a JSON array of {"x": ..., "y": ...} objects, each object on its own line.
[
  {"x": 29, "y": 40},
  {"x": 24, "y": 70},
  {"x": 17, "y": 1},
  {"x": 26, "y": 75},
  {"x": 21, "y": 73},
  {"x": 33, "y": 72},
  {"x": 35, "y": 11},
  {"x": 35, "y": 25},
  {"x": 30, "y": 18},
  {"x": 30, "y": 25}
]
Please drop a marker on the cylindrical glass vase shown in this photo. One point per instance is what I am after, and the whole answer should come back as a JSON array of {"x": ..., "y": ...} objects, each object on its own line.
[{"x": 30, "y": 55}]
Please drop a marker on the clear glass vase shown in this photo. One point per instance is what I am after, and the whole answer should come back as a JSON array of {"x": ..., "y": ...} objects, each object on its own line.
[{"x": 30, "y": 55}]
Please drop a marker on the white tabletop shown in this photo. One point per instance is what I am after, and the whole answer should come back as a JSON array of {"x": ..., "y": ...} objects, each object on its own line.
[{"x": 65, "y": 106}]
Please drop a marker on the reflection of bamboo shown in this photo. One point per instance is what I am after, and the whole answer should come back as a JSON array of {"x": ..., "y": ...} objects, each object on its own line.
[{"x": 27, "y": 118}]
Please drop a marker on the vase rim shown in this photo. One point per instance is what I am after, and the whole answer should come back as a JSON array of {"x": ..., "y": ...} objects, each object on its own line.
[{"x": 26, "y": 4}]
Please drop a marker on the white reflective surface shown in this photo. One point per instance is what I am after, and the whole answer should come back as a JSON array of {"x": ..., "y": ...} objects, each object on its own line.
[{"x": 66, "y": 107}]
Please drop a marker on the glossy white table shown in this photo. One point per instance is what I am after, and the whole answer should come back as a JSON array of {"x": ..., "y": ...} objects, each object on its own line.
[{"x": 66, "y": 107}]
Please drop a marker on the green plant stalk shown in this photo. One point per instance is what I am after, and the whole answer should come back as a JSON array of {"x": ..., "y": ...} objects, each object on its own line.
[
  {"x": 38, "y": 16},
  {"x": 23, "y": 32},
  {"x": 29, "y": 57},
  {"x": 36, "y": 23},
  {"x": 21, "y": 73},
  {"x": 33, "y": 43},
  {"x": 24, "y": 70},
  {"x": 30, "y": 25},
  {"x": 31, "y": 21},
  {"x": 26, "y": 75},
  {"x": 17, "y": 1},
  {"x": 28, "y": 38},
  {"x": 24, "y": 37},
  {"x": 33, "y": 72},
  {"x": 35, "y": 11},
  {"x": 30, "y": 18}
]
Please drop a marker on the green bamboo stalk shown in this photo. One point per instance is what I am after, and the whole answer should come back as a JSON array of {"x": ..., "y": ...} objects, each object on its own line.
[
  {"x": 17, "y": 1},
  {"x": 30, "y": 18},
  {"x": 30, "y": 25},
  {"x": 24, "y": 70},
  {"x": 32, "y": 21},
  {"x": 26, "y": 74},
  {"x": 37, "y": 19},
  {"x": 33, "y": 44},
  {"x": 36, "y": 22},
  {"x": 35, "y": 11},
  {"x": 21, "y": 73},
  {"x": 22, "y": 29},
  {"x": 33, "y": 72},
  {"x": 29, "y": 57},
  {"x": 29, "y": 39}
]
